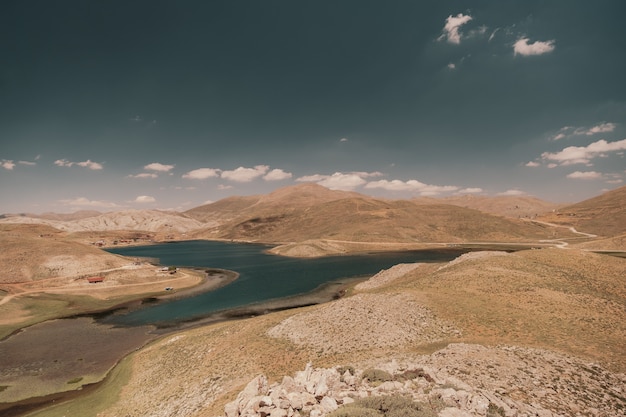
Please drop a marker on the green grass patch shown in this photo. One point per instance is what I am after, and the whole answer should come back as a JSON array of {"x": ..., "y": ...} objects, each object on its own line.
[{"x": 91, "y": 404}]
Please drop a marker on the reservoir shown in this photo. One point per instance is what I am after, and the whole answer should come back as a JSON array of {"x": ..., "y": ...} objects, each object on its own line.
[{"x": 262, "y": 276}]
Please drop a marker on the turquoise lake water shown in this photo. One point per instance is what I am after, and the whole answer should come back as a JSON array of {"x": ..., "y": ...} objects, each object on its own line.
[{"x": 262, "y": 277}]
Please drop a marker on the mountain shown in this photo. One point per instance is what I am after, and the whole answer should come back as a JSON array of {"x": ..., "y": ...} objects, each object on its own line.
[
  {"x": 508, "y": 206},
  {"x": 37, "y": 251},
  {"x": 66, "y": 217},
  {"x": 166, "y": 223},
  {"x": 279, "y": 202},
  {"x": 604, "y": 215},
  {"x": 305, "y": 212}
]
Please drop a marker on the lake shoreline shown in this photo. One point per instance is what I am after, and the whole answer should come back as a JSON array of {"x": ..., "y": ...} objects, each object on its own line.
[{"x": 325, "y": 293}]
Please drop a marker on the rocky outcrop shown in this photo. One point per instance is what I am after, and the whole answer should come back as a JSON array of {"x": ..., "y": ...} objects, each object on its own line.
[{"x": 459, "y": 381}]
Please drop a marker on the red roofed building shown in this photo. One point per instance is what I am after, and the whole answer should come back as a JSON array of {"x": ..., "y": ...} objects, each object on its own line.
[{"x": 95, "y": 280}]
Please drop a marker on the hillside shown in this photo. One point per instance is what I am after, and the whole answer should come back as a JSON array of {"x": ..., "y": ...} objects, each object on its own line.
[
  {"x": 604, "y": 215},
  {"x": 535, "y": 333},
  {"x": 508, "y": 206},
  {"x": 282, "y": 201},
  {"x": 34, "y": 252},
  {"x": 140, "y": 220},
  {"x": 359, "y": 218},
  {"x": 81, "y": 214}
]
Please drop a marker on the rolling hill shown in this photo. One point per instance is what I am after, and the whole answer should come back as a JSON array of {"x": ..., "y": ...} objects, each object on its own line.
[
  {"x": 604, "y": 215},
  {"x": 306, "y": 212}
]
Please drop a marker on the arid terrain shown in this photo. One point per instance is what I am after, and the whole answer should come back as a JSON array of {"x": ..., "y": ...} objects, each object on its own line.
[{"x": 534, "y": 332}]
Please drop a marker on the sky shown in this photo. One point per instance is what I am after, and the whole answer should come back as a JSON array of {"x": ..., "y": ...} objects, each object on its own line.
[{"x": 148, "y": 104}]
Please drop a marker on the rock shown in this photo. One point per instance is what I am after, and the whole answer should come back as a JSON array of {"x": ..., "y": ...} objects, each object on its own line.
[
  {"x": 279, "y": 412},
  {"x": 454, "y": 412},
  {"x": 328, "y": 404},
  {"x": 299, "y": 400}
]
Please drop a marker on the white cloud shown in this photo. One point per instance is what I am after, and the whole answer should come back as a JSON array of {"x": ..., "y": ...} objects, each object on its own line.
[
  {"x": 145, "y": 199},
  {"x": 243, "y": 174},
  {"x": 95, "y": 166},
  {"x": 155, "y": 166},
  {"x": 224, "y": 187},
  {"x": 29, "y": 163},
  {"x": 532, "y": 164},
  {"x": 451, "y": 66},
  {"x": 90, "y": 164},
  {"x": 136, "y": 119},
  {"x": 587, "y": 131},
  {"x": 85, "y": 202},
  {"x": 144, "y": 175},
  {"x": 336, "y": 181},
  {"x": 343, "y": 140},
  {"x": 346, "y": 181},
  {"x": 512, "y": 192},
  {"x": 587, "y": 175},
  {"x": 411, "y": 185},
  {"x": 471, "y": 191},
  {"x": 277, "y": 175},
  {"x": 451, "y": 29},
  {"x": 7, "y": 164},
  {"x": 202, "y": 173},
  {"x": 522, "y": 47},
  {"x": 583, "y": 154},
  {"x": 493, "y": 34},
  {"x": 601, "y": 128}
]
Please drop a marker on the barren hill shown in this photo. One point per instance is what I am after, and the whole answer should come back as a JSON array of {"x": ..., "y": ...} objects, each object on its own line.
[
  {"x": 81, "y": 214},
  {"x": 141, "y": 220},
  {"x": 34, "y": 251},
  {"x": 604, "y": 215},
  {"x": 296, "y": 214},
  {"x": 281, "y": 201},
  {"x": 535, "y": 333},
  {"x": 509, "y": 206}
]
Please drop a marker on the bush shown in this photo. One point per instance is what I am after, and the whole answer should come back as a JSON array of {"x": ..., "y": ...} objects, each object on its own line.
[
  {"x": 376, "y": 375},
  {"x": 385, "y": 406},
  {"x": 494, "y": 411},
  {"x": 342, "y": 370}
]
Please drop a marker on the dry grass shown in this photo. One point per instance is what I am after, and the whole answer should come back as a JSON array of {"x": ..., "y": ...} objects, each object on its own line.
[{"x": 567, "y": 301}]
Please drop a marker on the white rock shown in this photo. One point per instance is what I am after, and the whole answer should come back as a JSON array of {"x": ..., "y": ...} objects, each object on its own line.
[
  {"x": 454, "y": 412},
  {"x": 328, "y": 404}
]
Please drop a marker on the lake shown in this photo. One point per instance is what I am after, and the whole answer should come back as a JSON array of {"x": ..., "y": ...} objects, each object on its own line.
[{"x": 263, "y": 276}]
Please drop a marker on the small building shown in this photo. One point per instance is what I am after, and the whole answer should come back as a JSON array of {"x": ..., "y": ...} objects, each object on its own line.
[{"x": 95, "y": 280}]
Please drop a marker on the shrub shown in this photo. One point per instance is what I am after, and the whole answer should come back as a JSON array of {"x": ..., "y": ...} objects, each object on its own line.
[
  {"x": 494, "y": 411},
  {"x": 385, "y": 406},
  {"x": 342, "y": 370},
  {"x": 376, "y": 375}
]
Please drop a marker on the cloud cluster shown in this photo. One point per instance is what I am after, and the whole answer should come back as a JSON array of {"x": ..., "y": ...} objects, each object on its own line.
[
  {"x": 7, "y": 164},
  {"x": 522, "y": 47},
  {"x": 412, "y": 186},
  {"x": 241, "y": 174},
  {"x": 142, "y": 199},
  {"x": 586, "y": 131},
  {"x": 349, "y": 181},
  {"x": 339, "y": 180},
  {"x": 85, "y": 202},
  {"x": 156, "y": 166},
  {"x": 451, "y": 29},
  {"x": 95, "y": 166},
  {"x": 587, "y": 175},
  {"x": 451, "y": 32},
  {"x": 572, "y": 155}
]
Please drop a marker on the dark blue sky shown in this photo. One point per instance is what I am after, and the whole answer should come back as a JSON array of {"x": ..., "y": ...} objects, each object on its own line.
[{"x": 153, "y": 104}]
